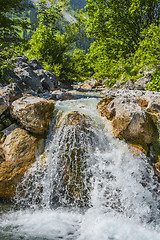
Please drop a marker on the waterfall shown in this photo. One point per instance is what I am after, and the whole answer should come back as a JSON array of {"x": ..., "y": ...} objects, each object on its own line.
[{"x": 86, "y": 185}]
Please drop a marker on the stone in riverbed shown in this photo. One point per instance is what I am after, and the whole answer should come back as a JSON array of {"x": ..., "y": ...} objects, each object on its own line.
[
  {"x": 130, "y": 121},
  {"x": 90, "y": 84},
  {"x": 62, "y": 95},
  {"x": 77, "y": 138},
  {"x": 17, "y": 154},
  {"x": 140, "y": 84},
  {"x": 33, "y": 113},
  {"x": 86, "y": 86}
]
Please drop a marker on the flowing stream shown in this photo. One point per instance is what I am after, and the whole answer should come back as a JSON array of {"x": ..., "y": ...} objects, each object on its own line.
[{"x": 86, "y": 186}]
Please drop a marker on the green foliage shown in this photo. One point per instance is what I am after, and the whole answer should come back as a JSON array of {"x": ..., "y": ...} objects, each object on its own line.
[
  {"x": 5, "y": 65},
  {"x": 154, "y": 85},
  {"x": 77, "y": 66},
  {"x": 55, "y": 49},
  {"x": 148, "y": 52},
  {"x": 105, "y": 64},
  {"x": 126, "y": 37},
  {"x": 46, "y": 42},
  {"x": 109, "y": 82},
  {"x": 121, "y": 20},
  {"x": 10, "y": 25},
  {"x": 6, "y": 62}
]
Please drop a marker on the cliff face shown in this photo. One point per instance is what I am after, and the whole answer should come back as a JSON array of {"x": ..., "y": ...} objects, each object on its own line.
[{"x": 77, "y": 4}]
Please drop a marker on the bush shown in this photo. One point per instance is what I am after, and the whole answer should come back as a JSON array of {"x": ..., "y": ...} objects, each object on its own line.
[{"x": 154, "y": 85}]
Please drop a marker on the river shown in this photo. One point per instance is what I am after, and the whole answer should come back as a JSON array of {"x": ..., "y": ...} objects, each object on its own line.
[{"x": 122, "y": 198}]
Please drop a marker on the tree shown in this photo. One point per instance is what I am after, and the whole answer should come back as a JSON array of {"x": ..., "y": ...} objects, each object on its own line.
[
  {"x": 117, "y": 28},
  {"x": 43, "y": 43},
  {"x": 10, "y": 27},
  {"x": 122, "y": 20},
  {"x": 55, "y": 49},
  {"x": 10, "y": 24}
]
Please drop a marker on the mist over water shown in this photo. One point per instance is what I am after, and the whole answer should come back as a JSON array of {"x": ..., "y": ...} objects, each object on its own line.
[{"x": 86, "y": 186}]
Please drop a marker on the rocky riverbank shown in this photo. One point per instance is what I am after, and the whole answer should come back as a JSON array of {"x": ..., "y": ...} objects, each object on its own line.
[
  {"x": 135, "y": 117},
  {"x": 27, "y": 109},
  {"x": 23, "y": 140}
]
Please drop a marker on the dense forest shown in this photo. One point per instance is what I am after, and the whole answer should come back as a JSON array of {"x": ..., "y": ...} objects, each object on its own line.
[{"x": 110, "y": 40}]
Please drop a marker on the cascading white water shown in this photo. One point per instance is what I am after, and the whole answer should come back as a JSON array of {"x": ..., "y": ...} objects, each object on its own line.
[{"x": 86, "y": 186}]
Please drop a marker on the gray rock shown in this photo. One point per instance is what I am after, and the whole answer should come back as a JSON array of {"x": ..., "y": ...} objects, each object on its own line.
[
  {"x": 130, "y": 120},
  {"x": 129, "y": 85},
  {"x": 150, "y": 101},
  {"x": 34, "y": 64},
  {"x": 46, "y": 85},
  {"x": 4, "y": 104},
  {"x": 141, "y": 83},
  {"x": 20, "y": 59},
  {"x": 48, "y": 80},
  {"x": 111, "y": 92},
  {"x": 92, "y": 82},
  {"x": 32, "y": 76},
  {"x": 33, "y": 113},
  {"x": 134, "y": 117},
  {"x": 66, "y": 96},
  {"x": 62, "y": 95},
  {"x": 11, "y": 92},
  {"x": 28, "y": 78},
  {"x": 117, "y": 85}
]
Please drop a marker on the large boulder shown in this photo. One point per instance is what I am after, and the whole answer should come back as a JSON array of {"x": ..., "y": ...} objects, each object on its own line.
[
  {"x": 150, "y": 102},
  {"x": 48, "y": 80},
  {"x": 33, "y": 113},
  {"x": 32, "y": 76},
  {"x": 17, "y": 153},
  {"x": 28, "y": 78},
  {"x": 77, "y": 138},
  {"x": 130, "y": 121}
]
